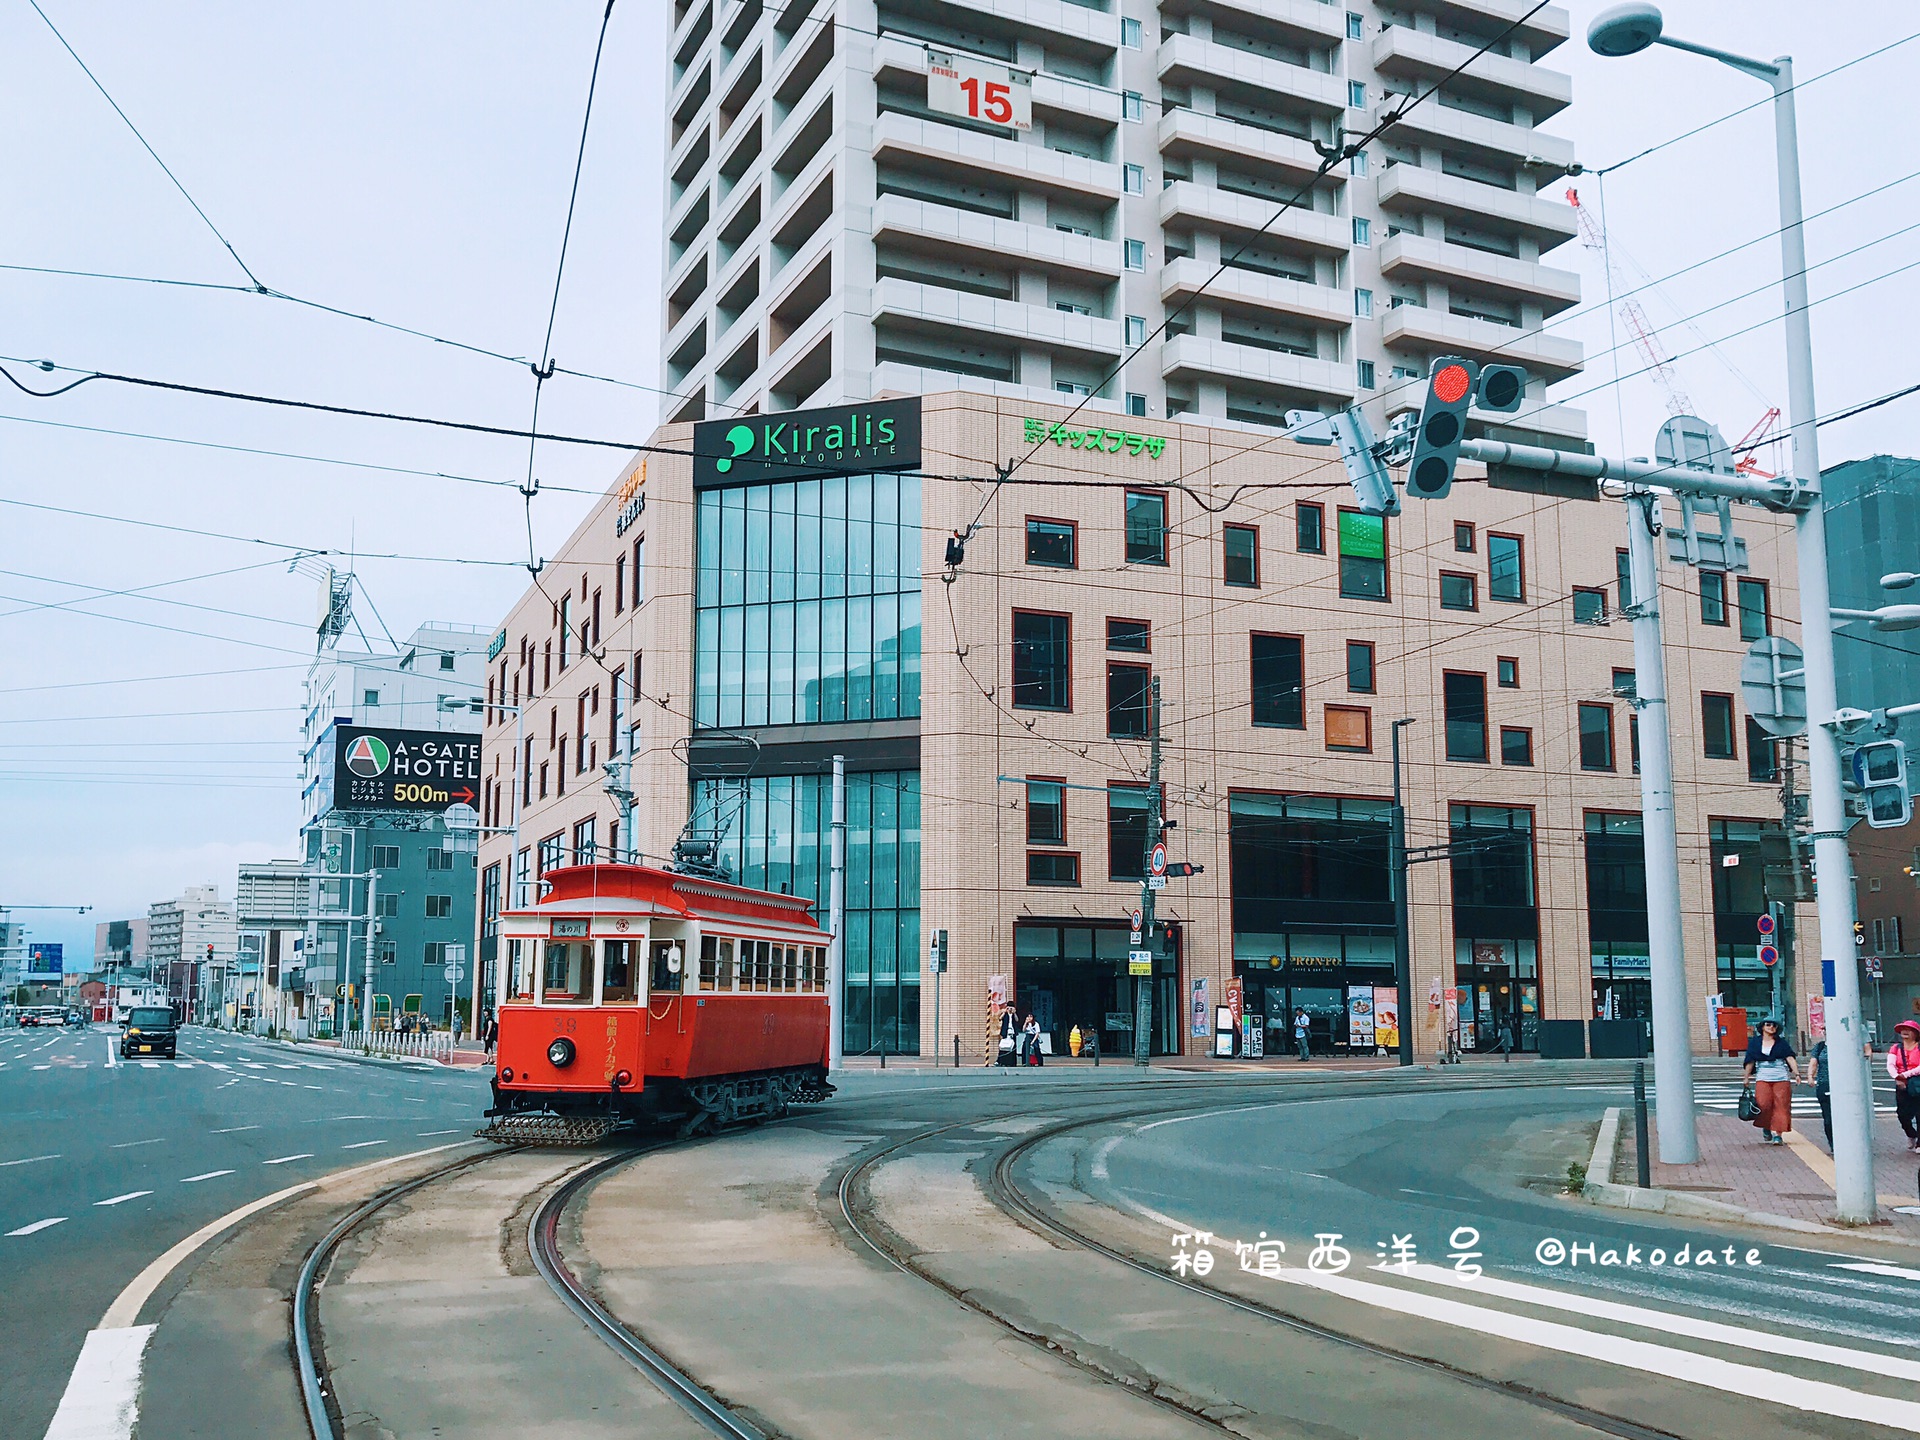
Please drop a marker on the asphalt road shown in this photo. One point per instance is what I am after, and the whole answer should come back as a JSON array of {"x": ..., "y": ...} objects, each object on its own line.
[{"x": 104, "y": 1166}]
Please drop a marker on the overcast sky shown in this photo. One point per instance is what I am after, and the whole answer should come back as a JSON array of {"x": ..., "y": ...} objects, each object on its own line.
[{"x": 412, "y": 162}]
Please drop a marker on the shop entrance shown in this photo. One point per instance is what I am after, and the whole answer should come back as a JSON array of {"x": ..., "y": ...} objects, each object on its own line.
[{"x": 1068, "y": 975}]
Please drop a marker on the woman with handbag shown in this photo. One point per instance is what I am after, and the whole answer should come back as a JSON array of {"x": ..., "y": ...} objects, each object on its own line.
[
  {"x": 1903, "y": 1064},
  {"x": 1770, "y": 1075}
]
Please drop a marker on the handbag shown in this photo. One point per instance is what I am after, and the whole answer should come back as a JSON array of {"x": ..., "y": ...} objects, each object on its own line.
[{"x": 1749, "y": 1105}]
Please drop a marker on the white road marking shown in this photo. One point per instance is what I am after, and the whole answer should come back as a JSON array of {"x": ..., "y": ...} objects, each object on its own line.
[
  {"x": 122, "y": 1199},
  {"x": 362, "y": 1144},
  {"x": 233, "y": 1129},
  {"x": 218, "y": 1065},
  {"x": 149, "y": 1064},
  {"x": 103, "y": 1393},
  {"x": 130, "y": 1144},
  {"x": 1867, "y": 1268},
  {"x": 210, "y": 1175},
  {"x": 285, "y": 1158},
  {"x": 425, "y": 1133},
  {"x": 253, "y": 1064},
  {"x": 113, "y": 1053},
  {"x": 43, "y": 1067},
  {"x": 30, "y": 1160},
  {"x": 39, "y": 1225}
]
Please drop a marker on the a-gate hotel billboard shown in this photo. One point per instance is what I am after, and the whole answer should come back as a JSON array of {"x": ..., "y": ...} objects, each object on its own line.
[{"x": 404, "y": 769}]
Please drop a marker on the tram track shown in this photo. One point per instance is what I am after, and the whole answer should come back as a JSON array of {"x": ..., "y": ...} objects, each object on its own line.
[{"x": 1003, "y": 1190}]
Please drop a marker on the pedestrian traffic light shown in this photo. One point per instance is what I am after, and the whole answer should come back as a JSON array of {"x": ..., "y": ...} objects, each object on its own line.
[
  {"x": 1443, "y": 425},
  {"x": 1880, "y": 770}
]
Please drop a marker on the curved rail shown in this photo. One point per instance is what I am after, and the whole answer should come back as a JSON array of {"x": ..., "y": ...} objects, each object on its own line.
[
  {"x": 544, "y": 1245},
  {"x": 1006, "y": 1193}
]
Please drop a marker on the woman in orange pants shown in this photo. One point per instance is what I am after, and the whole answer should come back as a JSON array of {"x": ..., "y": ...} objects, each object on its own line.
[{"x": 1770, "y": 1066}]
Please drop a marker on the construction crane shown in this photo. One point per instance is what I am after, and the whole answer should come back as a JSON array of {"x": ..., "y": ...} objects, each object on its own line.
[
  {"x": 1753, "y": 440},
  {"x": 1644, "y": 337}
]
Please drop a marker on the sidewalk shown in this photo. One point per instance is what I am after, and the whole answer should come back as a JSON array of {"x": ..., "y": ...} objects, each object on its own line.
[{"x": 1768, "y": 1183}]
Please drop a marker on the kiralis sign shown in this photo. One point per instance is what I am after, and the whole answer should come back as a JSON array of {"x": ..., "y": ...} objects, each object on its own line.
[
  {"x": 807, "y": 444},
  {"x": 404, "y": 769},
  {"x": 979, "y": 90}
]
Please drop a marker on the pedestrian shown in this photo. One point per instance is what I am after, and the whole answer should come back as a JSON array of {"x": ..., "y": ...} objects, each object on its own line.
[
  {"x": 492, "y": 1032},
  {"x": 1009, "y": 1046},
  {"x": 1302, "y": 1031},
  {"x": 1822, "y": 1087},
  {"x": 457, "y": 1017},
  {"x": 1030, "y": 1035},
  {"x": 1903, "y": 1064},
  {"x": 1769, "y": 1065}
]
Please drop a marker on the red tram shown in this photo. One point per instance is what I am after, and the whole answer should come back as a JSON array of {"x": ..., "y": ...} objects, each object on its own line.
[{"x": 635, "y": 994}]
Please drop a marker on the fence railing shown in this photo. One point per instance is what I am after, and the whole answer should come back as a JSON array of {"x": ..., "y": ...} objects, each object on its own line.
[{"x": 435, "y": 1046}]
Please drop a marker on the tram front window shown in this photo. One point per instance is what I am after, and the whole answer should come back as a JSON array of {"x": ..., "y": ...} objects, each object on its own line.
[
  {"x": 622, "y": 965},
  {"x": 568, "y": 975}
]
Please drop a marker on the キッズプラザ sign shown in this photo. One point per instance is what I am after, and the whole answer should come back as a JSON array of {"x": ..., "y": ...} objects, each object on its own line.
[
  {"x": 404, "y": 769},
  {"x": 805, "y": 444}
]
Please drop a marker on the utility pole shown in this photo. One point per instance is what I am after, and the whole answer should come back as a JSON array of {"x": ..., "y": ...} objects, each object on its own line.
[
  {"x": 1143, "y": 985},
  {"x": 837, "y": 919},
  {"x": 1402, "y": 925}
]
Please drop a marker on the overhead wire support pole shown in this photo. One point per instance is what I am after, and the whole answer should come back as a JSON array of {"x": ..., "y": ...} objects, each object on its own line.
[
  {"x": 1402, "y": 925},
  {"x": 1143, "y": 987}
]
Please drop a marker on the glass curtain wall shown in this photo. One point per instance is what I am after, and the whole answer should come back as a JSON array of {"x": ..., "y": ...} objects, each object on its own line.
[
  {"x": 1617, "y": 917},
  {"x": 1496, "y": 926},
  {"x": 807, "y": 602},
  {"x": 1751, "y": 868},
  {"x": 776, "y": 835}
]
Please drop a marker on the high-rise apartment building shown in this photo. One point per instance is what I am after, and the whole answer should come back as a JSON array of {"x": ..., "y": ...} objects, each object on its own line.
[{"x": 832, "y": 236}]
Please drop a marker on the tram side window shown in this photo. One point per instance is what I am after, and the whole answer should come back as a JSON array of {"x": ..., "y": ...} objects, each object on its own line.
[
  {"x": 762, "y": 964},
  {"x": 568, "y": 978},
  {"x": 622, "y": 968},
  {"x": 726, "y": 964},
  {"x": 709, "y": 963},
  {"x": 820, "y": 967},
  {"x": 793, "y": 968},
  {"x": 666, "y": 977},
  {"x": 520, "y": 968}
]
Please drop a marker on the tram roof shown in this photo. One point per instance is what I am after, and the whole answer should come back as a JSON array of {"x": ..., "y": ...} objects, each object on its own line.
[{"x": 648, "y": 890}]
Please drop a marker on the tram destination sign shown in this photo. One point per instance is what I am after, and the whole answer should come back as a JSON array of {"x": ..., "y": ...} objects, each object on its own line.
[
  {"x": 807, "y": 444},
  {"x": 376, "y": 769}
]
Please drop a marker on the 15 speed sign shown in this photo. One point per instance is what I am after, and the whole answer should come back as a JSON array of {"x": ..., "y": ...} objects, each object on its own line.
[{"x": 979, "y": 90}]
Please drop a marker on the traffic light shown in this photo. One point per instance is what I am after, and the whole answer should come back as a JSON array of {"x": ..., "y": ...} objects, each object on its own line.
[
  {"x": 1501, "y": 388},
  {"x": 1184, "y": 868},
  {"x": 1443, "y": 425},
  {"x": 1880, "y": 770},
  {"x": 1366, "y": 472}
]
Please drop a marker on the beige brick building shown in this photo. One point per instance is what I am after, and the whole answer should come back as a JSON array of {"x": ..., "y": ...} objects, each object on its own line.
[{"x": 743, "y": 633}]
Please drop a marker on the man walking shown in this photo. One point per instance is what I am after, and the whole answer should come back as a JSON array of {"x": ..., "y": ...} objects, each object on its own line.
[
  {"x": 456, "y": 1028},
  {"x": 1301, "y": 1028}
]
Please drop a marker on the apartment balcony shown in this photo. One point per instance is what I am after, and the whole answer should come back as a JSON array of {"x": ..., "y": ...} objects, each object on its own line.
[
  {"x": 1412, "y": 187},
  {"x": 1318, "y": 24},
  {"x": 1185, "y": 205},
  {"x": 904, "y": 139},
  {"x": 1183, "y": 60},
  {"x": 1185, "y": 133},
  {"x": 1546, "y": 157},
  {"x": 1541, "y": 32},
  {"x": 1189, "y": 357},
  {"x": 1551, "y": 357},
  {"x": 925, "y": 226},
  {"x": 1427, "y": 59},
  {"x": 910, "y": 304},
  {"x": 1547, "y": 421},
  {"x": 896, "y": 377},
  {"x": 1181, "y": 280},
  {"x": 1410, "y": 256},
  {"x": 1049, "y": 20},
  {"x": 900, "y": 60}
]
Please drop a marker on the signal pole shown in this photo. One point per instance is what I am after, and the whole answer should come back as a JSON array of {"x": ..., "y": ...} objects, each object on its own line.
[
  {"x": 1143, "y": 986},
  {"x": 1402, "y": 926}
]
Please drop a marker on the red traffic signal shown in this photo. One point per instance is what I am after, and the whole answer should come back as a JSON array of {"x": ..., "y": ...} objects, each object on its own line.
[{"x": 1184, "y": 867}]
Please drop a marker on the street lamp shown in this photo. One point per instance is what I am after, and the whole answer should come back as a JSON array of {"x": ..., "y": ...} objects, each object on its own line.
[{"x": 1626, "y": 30}]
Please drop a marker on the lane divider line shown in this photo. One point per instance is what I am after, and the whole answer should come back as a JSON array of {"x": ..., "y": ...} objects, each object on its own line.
[
  {"x": 210, "y": 1175},
  {"x": 122, "y": 1199},
  {"x": 103, "y": 1393},
  {"x": 39, "y": 1225},
  {"x": 284, "y": 1159}
]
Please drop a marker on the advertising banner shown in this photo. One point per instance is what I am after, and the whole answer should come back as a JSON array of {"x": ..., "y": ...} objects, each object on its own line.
[
  {"x": 1360, "y": 1016},
  {"x": 1202, "y": 1007},
  {"x": 807, "y": 444},
  {"x": 1817, "y": 1016},
  {"x": 1386, "y": 1017},
  {"x": 430, "y": 770},
  {"x": 979, "y": 90},
  {"x": 1236, "y": 998}
]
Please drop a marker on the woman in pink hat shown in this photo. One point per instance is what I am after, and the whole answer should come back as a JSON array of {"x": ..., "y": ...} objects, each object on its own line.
[{"x": 1903, "y": 1064}]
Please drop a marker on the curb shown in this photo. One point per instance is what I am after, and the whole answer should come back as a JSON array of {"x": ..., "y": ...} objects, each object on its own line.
[{"x": 1607, "y": 1194}]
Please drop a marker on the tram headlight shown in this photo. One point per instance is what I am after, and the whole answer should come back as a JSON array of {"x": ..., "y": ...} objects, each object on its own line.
[
  {"x": 506, "y": 1074},
  {"x": 560, "y": 1053},
  {"x": 623, "y": 1080}
]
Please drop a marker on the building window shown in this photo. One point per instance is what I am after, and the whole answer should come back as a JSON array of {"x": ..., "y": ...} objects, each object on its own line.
[
  {"x": 1713, "y": 598},
  {"x": 594, "y": 627},
  {"x": 543, "y": 779},
  {"x": 1042, "y": 651},
  {"x": 1130, "y": 35},
  {"x": 585, "y": 852},
  {"x": 1360, "y": 667},
  {"x": 1129, "y": 700},
  {"x": 1241, "y": 544},
  {"x": 1309, "y": 528},
  {"x": 439, "y": 907},
  {"x": 1136, "y": 404},
  {"x": 1349, "y": 727},
  {"x": 1516, "y": 745},
  {"x": 1046, "y": 812},
  {"x": 1136, "y": 254},
  {"x": 446, "y": 662},
  {"x": 1596, "y": 737},
  {"x": 1131, "y": 106},
  {"x": 1135, "y": 179},
  {"x": 1058, "y": 867},
  {"x": 1363, "y": 555},
  {"x": 1356, "y": 26},
  {"x": 1506, "y": 568},
  {"x": 1763, "y": 761},
  {"x": 1716, "y": 725},
  {"x": 1052, "y": 542},
  {"x": 639, "y": 570},
  {"x": 1458, "y": 591},
  {"x": 386, "y": 857},
  {"x": 1126, "y": 832},
  {"x": 1755, "y": 620},
  {"x": 1463, "y": 537},
  {"x": 566, "y": 631},
  {"x": 1623, "y": 577},
  {"x": 386, "y": 906},
  {"x": 1507, "y": 672},
  {"x": 1357, "y": 163},
  {"x": 1146, "y": 528},
  {"x": 1356, "y": 95},
  {"x": 1466, "y": 708},
  {"x": 370, "y": 697},
  {"x": 1363, "y": 304},
  {"x": 1363, "y": 374},
  {"x": 619, "y": 583},
  {"x": 1362, "y": 231},
  {"x": 1136, "y": 330},
  {"x": 439, "y": 860},
  {"x": 1131, "y": 635},
  {"x": 1278, "y": 681},
  {"x": 1589, "y": 606}
]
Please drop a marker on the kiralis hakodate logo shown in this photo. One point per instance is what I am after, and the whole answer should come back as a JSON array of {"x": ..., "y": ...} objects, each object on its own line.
[
  {"x": 741, "y": 438},
  {"x": 368, "y": 757}
]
